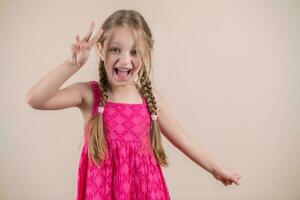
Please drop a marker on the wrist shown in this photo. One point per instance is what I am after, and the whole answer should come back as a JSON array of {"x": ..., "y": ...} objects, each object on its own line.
[
  {"x": 70, "y": 63},
  {"x": 215, "y": 169}
]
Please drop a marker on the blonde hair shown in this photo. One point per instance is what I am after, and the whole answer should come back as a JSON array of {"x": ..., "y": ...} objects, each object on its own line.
[{"x": 97, "y": 146}]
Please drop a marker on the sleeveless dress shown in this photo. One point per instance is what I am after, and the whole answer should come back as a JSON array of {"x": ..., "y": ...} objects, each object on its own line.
[{"x": 130, "y": 172}]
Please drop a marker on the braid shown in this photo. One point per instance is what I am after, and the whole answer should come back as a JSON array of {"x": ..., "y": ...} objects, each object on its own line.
[
  {"x": 156, "y": 141},
  {"x": 97, "y": 141},
  {"x": 147, "y": 91},
  {"x": 104, "y": 84}
]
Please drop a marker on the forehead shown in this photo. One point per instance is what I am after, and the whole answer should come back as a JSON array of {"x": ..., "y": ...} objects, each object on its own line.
[{"x": 122, "y": 36}]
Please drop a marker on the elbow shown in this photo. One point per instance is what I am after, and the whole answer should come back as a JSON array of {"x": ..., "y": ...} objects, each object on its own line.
[
  {"x": 31, "y": 101},
  {"x": 28, "y": 99}
]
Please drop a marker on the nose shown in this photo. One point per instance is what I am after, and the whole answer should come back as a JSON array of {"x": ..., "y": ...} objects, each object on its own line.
[{"x": 125, "y": 58}]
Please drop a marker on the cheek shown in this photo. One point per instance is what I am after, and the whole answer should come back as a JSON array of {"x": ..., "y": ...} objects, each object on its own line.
[
  {"x": 137, "y": 63},
  {"x": 110, "y": 61}
]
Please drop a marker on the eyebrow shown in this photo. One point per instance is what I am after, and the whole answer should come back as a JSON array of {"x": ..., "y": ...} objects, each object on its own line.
[
  {"x": 115, "y": 43},
  {"x": 120, "y": 44}
]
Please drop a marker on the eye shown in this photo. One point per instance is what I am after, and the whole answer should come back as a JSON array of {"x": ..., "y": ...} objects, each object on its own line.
[
  {"x": 115, "y": 50},
  {"x": 134, "y": 52}
]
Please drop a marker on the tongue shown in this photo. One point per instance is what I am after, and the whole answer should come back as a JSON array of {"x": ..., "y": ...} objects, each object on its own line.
[{"x": 122, "y": 74}]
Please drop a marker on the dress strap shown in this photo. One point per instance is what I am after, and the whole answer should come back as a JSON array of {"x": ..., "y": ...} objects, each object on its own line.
[{"x": 97, "y": 95}]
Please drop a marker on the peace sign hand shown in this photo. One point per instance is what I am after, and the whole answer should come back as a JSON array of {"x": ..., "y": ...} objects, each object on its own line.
[{"x": 81, "y": 48}]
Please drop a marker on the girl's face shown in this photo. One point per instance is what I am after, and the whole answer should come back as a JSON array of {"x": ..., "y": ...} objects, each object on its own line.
[{"x": 121, "y": 57}]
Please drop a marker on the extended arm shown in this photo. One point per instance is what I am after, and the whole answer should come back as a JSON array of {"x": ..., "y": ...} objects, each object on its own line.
[{"x": 171, "y": 129}]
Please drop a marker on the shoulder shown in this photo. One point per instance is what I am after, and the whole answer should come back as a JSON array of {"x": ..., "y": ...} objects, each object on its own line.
[
  {"x": 84, "y": 87},
  {"x": 88, "y": 86},
  {"x": 156, "y": 93},
  {"x": 87, "y": 90},
  {"x": 91, "y": 87},
  {"x": 159, "y": 98}
]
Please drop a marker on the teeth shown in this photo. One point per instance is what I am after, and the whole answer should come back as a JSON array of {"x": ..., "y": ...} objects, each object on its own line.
[{"x": 123, "y": 69}]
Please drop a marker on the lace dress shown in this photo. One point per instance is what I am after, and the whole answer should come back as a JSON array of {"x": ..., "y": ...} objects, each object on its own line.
[{"x": 130, "y": 172}]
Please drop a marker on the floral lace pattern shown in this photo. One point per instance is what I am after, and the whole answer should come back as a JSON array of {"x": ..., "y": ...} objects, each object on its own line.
[{"x": 130, "y": 171}]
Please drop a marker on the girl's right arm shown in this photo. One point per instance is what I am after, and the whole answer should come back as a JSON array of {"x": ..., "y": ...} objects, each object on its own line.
[{"x": 46, "y": 93}]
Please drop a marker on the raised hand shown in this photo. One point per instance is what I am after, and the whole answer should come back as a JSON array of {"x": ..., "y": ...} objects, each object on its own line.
[
  {"x": 81, "y": 48},
  {"x": 227, "y": 177}
]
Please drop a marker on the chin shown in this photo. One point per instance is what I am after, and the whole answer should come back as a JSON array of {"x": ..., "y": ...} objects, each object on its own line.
[{"x": 121, "y": 83}]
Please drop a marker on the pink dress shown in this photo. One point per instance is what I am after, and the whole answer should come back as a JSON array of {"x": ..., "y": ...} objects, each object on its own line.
[{"x": 130, "y": 172}]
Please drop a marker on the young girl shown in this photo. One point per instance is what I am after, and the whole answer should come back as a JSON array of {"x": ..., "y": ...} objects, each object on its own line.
[{"x": 122, "y": 153}]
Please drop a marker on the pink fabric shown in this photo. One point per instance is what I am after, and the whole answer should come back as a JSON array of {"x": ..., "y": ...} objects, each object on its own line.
[{"x": 130, "y": 171}]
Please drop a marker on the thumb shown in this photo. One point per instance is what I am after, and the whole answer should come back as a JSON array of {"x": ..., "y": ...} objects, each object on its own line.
[{"x": 236, "y": 181}]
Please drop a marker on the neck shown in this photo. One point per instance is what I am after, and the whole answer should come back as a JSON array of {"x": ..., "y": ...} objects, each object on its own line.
[{"x": 123, "y": 92}]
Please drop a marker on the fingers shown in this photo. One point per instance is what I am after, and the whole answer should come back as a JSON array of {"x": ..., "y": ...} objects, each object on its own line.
[
  {"x": 74, "y": 58},
  {"x": 227, "y": 182},
  {"x": 237, "y": 178},
  {"x": 89, "y": 33},
  {"x": 74, "y": 48},
  {"x": 88, "y": 38},
  {"x": 77, "y": 38},
  {"x": 96, "y": 37},
  {"x": 86, "y": 43},
  {"x": 234, "y": 180}
]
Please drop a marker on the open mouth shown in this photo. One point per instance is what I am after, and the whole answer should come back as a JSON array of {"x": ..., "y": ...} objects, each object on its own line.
[{"x": 122, "y": 73}]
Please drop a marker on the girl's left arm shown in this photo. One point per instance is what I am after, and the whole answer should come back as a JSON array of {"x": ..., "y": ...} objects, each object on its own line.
[{"x": 171, "y": 129}]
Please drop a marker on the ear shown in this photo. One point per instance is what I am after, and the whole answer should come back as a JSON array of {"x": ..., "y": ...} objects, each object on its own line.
[{"x": 100, "y": 50}]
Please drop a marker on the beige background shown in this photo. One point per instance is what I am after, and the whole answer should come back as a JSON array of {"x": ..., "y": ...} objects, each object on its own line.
[{"x": 229, "y": 71}]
